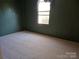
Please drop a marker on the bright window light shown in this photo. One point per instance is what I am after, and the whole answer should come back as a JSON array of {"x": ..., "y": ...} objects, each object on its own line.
[{"x": 43, "y": 12}]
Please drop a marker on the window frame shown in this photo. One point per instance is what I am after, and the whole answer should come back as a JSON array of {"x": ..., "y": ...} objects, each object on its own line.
[{"x": 48, "y": 11}]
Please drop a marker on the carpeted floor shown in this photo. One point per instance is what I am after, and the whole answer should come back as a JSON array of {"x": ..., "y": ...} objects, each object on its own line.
[
  {"x": 28, "y": 45},
  {"x": 0, "y": 54}
]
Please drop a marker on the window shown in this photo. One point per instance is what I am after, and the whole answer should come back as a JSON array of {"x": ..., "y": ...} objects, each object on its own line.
[{"x": 43, "y": 12}]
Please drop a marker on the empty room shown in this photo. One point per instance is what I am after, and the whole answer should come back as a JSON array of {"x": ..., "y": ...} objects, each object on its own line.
[{"x": 39, "y": 29}]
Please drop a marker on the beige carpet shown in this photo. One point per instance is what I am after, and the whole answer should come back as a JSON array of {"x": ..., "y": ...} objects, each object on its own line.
[
  {"x": 0, "y": 54},
  {"x": 28, "y": 45}
]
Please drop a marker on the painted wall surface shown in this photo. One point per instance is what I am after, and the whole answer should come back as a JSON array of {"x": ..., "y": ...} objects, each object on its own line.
[
  {"x": 9, "y": 22},
  {"x": 64, "y": 19}
]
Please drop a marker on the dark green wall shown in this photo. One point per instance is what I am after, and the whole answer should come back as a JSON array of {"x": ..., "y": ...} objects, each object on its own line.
[
  {"x": 64, "y": 19},
  {"x": 9, "y": 18}
]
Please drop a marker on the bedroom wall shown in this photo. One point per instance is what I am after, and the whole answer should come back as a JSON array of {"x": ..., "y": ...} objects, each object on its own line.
[
  {"x": 9, "y": 18},
  {"x": 64, "y": 19}
]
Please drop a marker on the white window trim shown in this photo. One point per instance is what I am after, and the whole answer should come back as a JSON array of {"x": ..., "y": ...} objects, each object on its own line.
[{"x": 42, "y": 16}]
